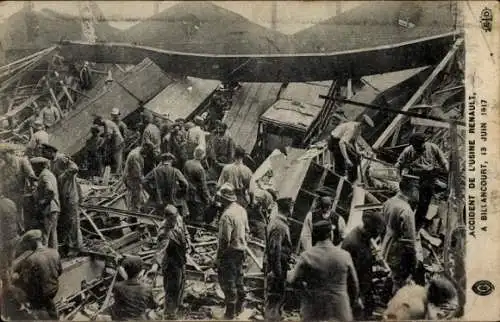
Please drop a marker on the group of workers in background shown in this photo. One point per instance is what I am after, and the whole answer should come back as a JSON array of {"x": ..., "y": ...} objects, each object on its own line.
[{"x": 173, "y": 164}]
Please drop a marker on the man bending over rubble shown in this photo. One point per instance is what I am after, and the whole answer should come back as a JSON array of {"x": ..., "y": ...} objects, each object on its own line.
[
  {"x": 132, "y": 297},
  {"x": 425, "y": 160}
]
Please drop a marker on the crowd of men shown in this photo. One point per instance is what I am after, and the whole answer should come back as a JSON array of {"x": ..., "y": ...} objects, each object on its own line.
[{"x": 187, "y": 174}]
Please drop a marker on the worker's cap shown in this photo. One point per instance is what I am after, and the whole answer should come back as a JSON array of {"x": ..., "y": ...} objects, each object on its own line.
[
  {"x": 167, "y": 157},
  {"x": 368, "y": 120},
  {"x": 115, "y": 111},
  {"x": 147, "y": 115},
  {"x": 32, "y": 235},
  {"x": 48, "y": 147},
  {"x": 170, "y": 210},
  {"x": 180, "y": 121},
  {"x": 226, "y": 191},
  {"x": 132, "y": 265},
  {"x": 199, "y": 153},
  {"x": 98, "y": 119},
  {"x": 95, "y": 129},
  {"x": 418, "y": 138},
  {"x": 10, "y": 148},
  {"x": 39, "y": 160},
  {"x": 189, "y": 125},
  {"x": 198, "y": 120},
  {"x": 322, "y": 226},
  {"x": 38, "y": 124}
]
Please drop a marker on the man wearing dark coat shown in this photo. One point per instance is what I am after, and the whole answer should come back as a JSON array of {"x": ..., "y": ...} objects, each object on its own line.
[
  {"x": 198, "y": 197},
  {"x": 358, "y": 244},
  {"x": 277, "y": 257},
  {"x": 327, "y": 278},
  {"x": 39, "y": 273},
  {"x": 166, "y": 185}
]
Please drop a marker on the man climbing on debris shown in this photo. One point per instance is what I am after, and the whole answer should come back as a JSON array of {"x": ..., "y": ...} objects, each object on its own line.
[
  {"x": 114, "y": 144},
  {"x": 326, "y": 278},
  {"x": 400, "y": 241},
  {"x": 239, "y": 176},
  {"x": 263, "y": 204},
  {"x": 39, "y": 137},
  {"x": 220, "y": 148},
  {"x": 47, "y": 201},
  {"x": 198, "y": 198},
  {"x": 115, "y": 117},
  {"x": 343, "y": 144},
  {"x": 95, "y": 152},
  {"x": 196, "y": 136},
  {"x": 166, "y": 185},
  {"x": 133, "y": 174},
  {"x": 174, "y": 241},
  {"x": 132, "y": 297},
  {"x": 360, "y": 245},
  {"x": 50, "y": 115},
  {"x": 17, "y": 177},
  {"x": 277, "y": 258},
  {"x": 322, "y": 211},
  {"x": 232, "y": 244},
  {"x": 38, "y": 273},
  {"x": 437, "y": 301},
  {"x": 426, "y": 161}
]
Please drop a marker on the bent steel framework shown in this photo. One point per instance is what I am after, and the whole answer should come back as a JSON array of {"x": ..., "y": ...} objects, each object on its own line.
[{"x": 275, "y": 67}]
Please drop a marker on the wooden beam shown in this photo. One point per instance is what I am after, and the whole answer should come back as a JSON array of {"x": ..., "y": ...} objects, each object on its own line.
[
  {"x": 431, "y": 123},
  {"x": 414, "y": 99}
]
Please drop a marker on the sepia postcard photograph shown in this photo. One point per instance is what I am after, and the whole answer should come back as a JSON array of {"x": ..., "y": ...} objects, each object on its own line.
[{"x": 250, "y": 160}]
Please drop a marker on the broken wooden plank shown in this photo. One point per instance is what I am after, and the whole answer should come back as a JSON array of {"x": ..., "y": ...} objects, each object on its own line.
[
  {"x": 418, "y": 94},
  {"x": 431, "y": 123},
  {"x": 254, "y": 258},
  {"x": 92, "y": 223}
]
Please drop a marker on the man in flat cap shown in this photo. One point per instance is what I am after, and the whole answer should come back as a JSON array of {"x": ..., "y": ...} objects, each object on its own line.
[
  {"x": 343, "y": 144},
  {"x": 133, "y": 174},
  {"x": 426, "y": 161},
  {"x": 196, "y": 136},
  {"x": 39, "y": 137},
  {"x": 399, "y": 246},
  {"x": 166, "y": 185},
  {"x": 198, "y": 198},
  {"x": 132, "y": 297},
  {"x": 359, "y": 245},
  {"x": 39, "y": 273},
  {"x": 65, "y": 170},
  {"x": 220, "y": 148},
  {"x": 115, "y": 117},
  {"x": 95, "y": 152},
  {"x": 175, "y": 242},
  {"x": 114, "y": 143},
  {"x": 326, "y": 277},
  {"x": 239, "y": 176},
  {"x": 277, "y": 258},
  {"x": 322, "y": 211},
  {"x": 232, "y": 244},
  {"x": 17, "y": 177},
  {"x": 48, "y": 202}
]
